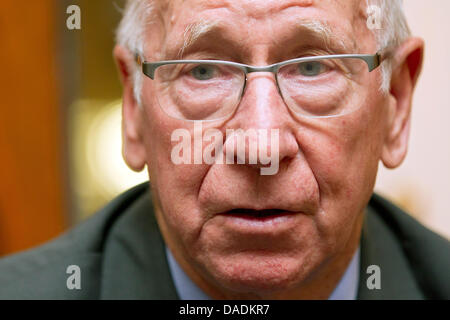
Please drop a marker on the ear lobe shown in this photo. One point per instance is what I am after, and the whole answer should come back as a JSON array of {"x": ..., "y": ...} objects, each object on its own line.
[
  {"x": 133, "y": 149},
  {"x": 407, "y": 66}
]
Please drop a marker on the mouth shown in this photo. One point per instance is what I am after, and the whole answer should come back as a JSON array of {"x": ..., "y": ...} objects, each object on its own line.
[
  {"x": 245, "y": 221},
  {"x": 251, "y": 214}
]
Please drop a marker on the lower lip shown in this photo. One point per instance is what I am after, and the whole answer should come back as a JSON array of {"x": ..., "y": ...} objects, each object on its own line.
[{"x": 262, "y": 223}]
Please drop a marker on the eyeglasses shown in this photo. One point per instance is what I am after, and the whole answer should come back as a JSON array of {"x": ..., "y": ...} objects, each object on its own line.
[{"x": 314, "y": 87}]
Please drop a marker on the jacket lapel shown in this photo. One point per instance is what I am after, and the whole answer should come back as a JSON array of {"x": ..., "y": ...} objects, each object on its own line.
[
  {"x": 135, "y": 264},
  {"x": 381, "y": 247}
]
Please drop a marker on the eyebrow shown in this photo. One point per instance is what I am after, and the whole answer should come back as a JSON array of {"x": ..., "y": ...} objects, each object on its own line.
[
  {"x": 313, "y": 29},
  {"x": 194, "y": 32},
  {"x": 322, "y": 31}
]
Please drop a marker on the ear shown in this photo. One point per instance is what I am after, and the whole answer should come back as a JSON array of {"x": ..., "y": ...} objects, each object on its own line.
[
  {"x": 133, "y": 149},
  {"x": 407, "y": 64}
]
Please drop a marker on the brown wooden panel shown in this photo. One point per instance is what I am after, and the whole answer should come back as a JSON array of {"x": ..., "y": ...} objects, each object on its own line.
[{"x": 32, "y": 191}]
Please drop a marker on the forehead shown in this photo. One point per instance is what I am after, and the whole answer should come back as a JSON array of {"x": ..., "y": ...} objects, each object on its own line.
[
  {"x": 258, "y": 21},
  {"x": 257, "y": 8}
]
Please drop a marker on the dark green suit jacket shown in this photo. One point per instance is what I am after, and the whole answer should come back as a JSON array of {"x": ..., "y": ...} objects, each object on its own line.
[{"x": 121, "y": 255}]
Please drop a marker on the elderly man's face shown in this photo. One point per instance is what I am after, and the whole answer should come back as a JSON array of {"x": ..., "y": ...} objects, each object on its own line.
[{"x": 327, "y": 166}]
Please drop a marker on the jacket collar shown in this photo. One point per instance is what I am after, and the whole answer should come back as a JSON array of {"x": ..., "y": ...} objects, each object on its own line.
[
  {"x": 135, "y": 264},
  {"x": 380, "y": 246}
]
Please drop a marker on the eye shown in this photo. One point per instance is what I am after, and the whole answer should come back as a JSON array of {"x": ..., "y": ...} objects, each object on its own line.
[
  {"x": 203, "y": 72},
  {"x": 311, "y": 68}
]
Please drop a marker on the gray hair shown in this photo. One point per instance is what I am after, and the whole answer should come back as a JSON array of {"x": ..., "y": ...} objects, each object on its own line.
[
  {"x": 131, "y": 34},
  {"x": 393, "y": 31},
  {"x": 136, "y": 16}
]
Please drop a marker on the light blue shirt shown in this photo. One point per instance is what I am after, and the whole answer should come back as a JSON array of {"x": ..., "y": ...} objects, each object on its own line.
[{"x": 347, "y": 288}]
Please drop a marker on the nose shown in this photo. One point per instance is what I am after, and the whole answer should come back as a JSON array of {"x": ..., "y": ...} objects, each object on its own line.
[{"x": 261, "y": 132}]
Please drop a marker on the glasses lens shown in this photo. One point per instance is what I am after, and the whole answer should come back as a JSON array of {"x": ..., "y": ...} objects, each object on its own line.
[
  {"x": 192, "y": 91},
  {"x": 323, "y": 87}
]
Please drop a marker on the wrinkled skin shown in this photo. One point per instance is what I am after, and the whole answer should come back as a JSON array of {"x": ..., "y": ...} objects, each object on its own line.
[{"x": 327, "y": 169}]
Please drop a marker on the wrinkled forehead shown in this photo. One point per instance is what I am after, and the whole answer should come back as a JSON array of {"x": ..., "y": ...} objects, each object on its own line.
[
  {"x": 259, "y": 8},
  {"x": 339, "y": 23}
]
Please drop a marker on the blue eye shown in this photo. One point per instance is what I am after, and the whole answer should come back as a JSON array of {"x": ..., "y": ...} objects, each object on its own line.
[
  {"x": 311, "y": 68},
  {"x": 203, "y": 72}
]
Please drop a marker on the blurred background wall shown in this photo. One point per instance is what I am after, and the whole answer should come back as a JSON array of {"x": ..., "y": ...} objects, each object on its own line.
[
  {"x": 33, "y": 175},
  {"x": 60, "y": 141}
]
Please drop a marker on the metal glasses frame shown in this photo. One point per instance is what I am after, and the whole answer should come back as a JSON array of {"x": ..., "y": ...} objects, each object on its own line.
[
  {"x": 373, "y": 61},
  {"x": 149, "y": 68}
]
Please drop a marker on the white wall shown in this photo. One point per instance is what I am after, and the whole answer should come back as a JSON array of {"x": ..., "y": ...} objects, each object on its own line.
[{"x": 422, "y": 183}]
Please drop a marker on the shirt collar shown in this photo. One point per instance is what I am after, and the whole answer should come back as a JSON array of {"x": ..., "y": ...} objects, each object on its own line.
[{"x": 347, "y": 288}]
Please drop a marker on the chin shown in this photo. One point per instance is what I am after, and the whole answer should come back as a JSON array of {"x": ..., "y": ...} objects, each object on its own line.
[{"x": 260, "y": 274}]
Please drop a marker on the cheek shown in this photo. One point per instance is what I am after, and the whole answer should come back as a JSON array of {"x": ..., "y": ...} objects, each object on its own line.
[
  {"x": 176, "y": 187},
  {"x": 343, "y": 155},
  {"x": 171, "y": 182},
  {"x": 337, "y": 157}
]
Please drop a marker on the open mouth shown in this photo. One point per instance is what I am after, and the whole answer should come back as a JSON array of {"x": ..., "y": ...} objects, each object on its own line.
[{"x": 257, "y": 214}]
